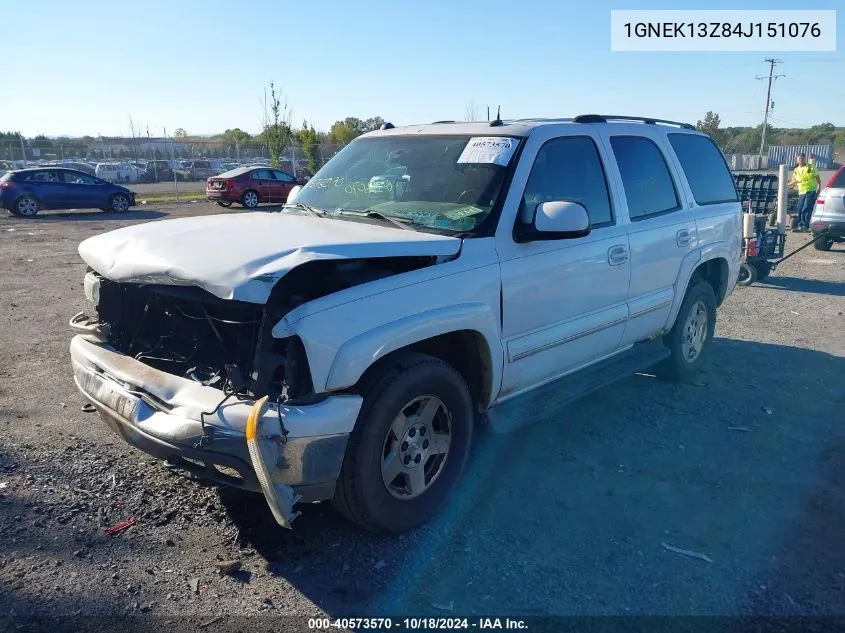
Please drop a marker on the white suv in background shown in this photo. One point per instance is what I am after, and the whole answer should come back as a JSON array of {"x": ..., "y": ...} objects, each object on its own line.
[
  {"x": 117, "y": 172},
  {"x": 343, "y": 348}
]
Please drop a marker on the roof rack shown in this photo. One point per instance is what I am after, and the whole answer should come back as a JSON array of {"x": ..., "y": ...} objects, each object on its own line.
[
  {"x": 436, "y": 122},
  {"x": 604, "y": 118}
]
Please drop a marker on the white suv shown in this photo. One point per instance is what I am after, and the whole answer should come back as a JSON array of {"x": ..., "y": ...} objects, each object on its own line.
[{"x": 343, "y": 348}]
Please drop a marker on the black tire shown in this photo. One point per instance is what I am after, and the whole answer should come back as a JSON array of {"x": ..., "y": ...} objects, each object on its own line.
[
  {"x": 764, "y": 269},
  {"x": 361, "y": 493},
  {"x": 824, "y": 244},
  {"x": 224, "y": 203},
  {"x": 679, "y": 367},
  {"x": 250, "y": 199},
  {"x": 26, "y": 207},
  {"x": 747, "y": 274},
  {"x": 119, "y": 203}
]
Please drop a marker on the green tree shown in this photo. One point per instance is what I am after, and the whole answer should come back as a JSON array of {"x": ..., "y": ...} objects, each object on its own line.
[
  {"x": 236, "y": 135},
  {"x": 373, "y": 123},
  {"x": 345, "y": 131},
  {"x": 309, "y": 139},
  {"x": 277, "y": 129},
  {"x": 710, "y": 126},
  {"x": 180, "y": 133}
]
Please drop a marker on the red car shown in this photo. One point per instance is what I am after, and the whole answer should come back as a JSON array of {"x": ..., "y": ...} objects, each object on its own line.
[{"x": 250, "y": 186}]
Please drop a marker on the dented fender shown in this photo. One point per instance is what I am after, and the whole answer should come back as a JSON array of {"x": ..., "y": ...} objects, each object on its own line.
[
  {"x": 357, "y": 354},
  {"x": 344, "y": 333}
]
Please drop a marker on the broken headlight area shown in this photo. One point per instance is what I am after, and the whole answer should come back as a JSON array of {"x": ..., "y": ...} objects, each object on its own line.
[{"x": 188, "y": 332}]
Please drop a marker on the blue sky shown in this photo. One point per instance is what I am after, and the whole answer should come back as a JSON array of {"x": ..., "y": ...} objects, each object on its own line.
[{"x": 85, "y": 67}]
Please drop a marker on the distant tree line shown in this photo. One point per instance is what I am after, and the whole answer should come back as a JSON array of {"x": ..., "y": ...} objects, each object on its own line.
[{"x": 746, "y": 140}]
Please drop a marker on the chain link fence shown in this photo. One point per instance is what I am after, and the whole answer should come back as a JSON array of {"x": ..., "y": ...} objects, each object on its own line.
[{"x": 162, "y": 160}]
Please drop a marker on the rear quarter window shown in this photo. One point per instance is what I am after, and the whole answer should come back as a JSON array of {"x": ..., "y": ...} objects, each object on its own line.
[
  {"x": 707, "y": 173},
  {"x": 838, "y": 181}
]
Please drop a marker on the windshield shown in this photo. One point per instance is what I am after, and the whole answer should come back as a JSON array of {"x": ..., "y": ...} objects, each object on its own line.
[{"x": 443, "y": 182}]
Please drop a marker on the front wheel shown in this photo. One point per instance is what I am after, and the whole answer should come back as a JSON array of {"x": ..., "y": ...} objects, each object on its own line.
[
  {"x": 690, "y": 338},
  {"x": 250, "y": 200},
  {"x": 409, "y": 445},
  {"x": 119, "y": 203}
]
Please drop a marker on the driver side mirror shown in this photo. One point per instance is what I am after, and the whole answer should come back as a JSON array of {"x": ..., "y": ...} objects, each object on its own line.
[{"x": 555, "y": 220}]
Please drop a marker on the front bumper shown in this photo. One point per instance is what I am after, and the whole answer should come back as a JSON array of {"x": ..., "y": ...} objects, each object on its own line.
[{"x": 161, "y": 414}]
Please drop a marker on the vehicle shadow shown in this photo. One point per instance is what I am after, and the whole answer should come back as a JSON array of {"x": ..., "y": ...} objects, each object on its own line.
[
  {"x": 796, "y": 284},
  {"x": 579, "y": 513},
  {"x": 87, "y": 216}
]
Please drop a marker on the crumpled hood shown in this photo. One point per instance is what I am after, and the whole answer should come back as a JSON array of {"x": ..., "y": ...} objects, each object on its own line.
[{"x": 242, "y": 256}]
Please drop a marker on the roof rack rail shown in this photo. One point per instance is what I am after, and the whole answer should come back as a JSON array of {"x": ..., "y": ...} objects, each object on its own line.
[
  {"x": 436, "y": 122},
  {"x": 604, "y": 118}
]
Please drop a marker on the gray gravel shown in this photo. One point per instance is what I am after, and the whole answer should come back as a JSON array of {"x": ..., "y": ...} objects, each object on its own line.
[{"x": 571, "y": 516}]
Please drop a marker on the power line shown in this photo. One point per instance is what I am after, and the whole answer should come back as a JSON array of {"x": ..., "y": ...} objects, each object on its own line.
[{"x": 771, "y": 61}]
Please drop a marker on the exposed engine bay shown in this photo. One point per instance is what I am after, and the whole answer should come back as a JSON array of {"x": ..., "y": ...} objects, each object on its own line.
[{"x": 227, "y": 344}]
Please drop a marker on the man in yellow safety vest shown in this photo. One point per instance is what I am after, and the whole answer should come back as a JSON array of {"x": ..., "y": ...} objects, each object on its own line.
[{"x": 806, "y": 177}]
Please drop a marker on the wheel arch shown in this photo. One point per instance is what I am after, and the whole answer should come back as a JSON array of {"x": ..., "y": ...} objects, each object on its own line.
[
  {"x": 715, "y": 271},
  {"x": 463, "y": 335},
  {"x": 465, "y": 350},
  {"x": 710, "y": 265}
]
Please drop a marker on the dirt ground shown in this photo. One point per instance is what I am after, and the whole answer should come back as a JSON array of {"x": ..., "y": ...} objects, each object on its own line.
[{"x": 580, "y": 514}]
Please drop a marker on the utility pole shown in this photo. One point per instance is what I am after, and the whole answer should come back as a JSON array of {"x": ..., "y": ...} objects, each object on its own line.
[{"x": 771, "y": 62}]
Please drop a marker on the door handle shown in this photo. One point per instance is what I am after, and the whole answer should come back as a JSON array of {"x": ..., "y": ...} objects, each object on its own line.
[
  {"x": 617, "y": 255},
  {"x": 683, "y": 237}
]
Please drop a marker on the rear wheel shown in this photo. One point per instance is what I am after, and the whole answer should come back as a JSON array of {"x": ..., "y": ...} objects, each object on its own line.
[
  {"x": 26, "y": 207},
  {"x": 690, "y": 338},
  {"x": 764, "y": 269},
  {"x": 250, "y": 200},
  {"x": 409, "y": 445},
  {"x": 747, "y": 274},
  {"x": 824, "y": 244},
  {"x": 224, "y": 203}
]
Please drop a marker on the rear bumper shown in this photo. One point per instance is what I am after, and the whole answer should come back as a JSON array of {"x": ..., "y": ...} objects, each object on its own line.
[
  {"x": 160, "y": 414},
  {"x": 222, "y": 194},
  {"x": 836, "y": 229}
]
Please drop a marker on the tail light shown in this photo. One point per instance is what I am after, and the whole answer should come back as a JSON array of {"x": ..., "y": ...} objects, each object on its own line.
[
  {"x": 5, "y": 185},
  {"x": 230, "y": 184},
  {"x": 752, "y": 247},
  {"x": 820, "y": 200}
]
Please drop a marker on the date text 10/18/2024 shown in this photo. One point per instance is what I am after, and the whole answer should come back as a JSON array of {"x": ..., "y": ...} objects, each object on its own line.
[{"x": 417, "y": 624}]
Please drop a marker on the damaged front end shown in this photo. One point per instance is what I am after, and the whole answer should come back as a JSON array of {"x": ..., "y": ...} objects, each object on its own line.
[{"x": 201, "y": 382}]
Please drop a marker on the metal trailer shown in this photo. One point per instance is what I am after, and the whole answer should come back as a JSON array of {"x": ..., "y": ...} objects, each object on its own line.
[
  {"x": 763, "y": 248},
  {"x": 765, "y": 202}
]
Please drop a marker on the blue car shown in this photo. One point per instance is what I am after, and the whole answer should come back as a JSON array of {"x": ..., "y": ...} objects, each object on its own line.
[{"x": 25, "y": 192}]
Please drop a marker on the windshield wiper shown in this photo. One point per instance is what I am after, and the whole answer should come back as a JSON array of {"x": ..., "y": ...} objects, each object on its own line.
[
  {"x": 308, "y": 209},
  {"x": 378, "y": 215}
]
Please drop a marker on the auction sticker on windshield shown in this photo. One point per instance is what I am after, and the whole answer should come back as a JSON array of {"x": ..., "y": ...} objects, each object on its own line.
[{"x": 489, "y": 149}]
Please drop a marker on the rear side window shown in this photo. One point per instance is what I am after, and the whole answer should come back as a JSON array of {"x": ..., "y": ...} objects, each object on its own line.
[
  {"x": 708, "y": 175},
  {"x": 648, "y": 184},
  {"x": 569, "y": 168},
  {"x": 838, "y": 181}
]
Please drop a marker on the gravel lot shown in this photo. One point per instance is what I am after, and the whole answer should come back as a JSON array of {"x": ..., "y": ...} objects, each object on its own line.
[{"x": 569, "y": 516}]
